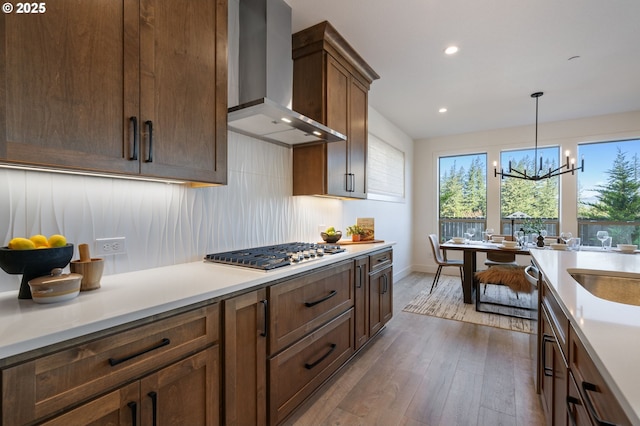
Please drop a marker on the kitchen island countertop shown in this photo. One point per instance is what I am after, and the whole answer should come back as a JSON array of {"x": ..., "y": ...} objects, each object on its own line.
[
  {"x": 123, "y": 298},
  {"x": 608, "y": 330}
]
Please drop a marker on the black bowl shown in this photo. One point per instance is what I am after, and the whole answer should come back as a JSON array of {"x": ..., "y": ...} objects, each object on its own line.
[
  {"x": 33, "y": 263},
  {"x": 331, "y": 238}
]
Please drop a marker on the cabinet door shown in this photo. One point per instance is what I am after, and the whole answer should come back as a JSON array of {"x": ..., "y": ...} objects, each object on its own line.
[
  {"x": 338, "y": 82},
  {"x": 245, "y": 359},
  {"x": 118, "y": 408},
  {"x": 184, "y": 393},
  {"x": 357, "y": 139},
  {"x": 386, "y": 298},
  {"x": 361, "y": 302},
  {"x": 554, "y": 384},
  {"x": 69, "y": 85},
  {"x": 376, "y": 287},
  {"x": 183, "y": 89}
]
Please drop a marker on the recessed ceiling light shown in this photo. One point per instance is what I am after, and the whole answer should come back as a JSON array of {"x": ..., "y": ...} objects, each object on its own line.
[
  {"x": 442, "y": 110},
  {"x": 451, "y": 50}
]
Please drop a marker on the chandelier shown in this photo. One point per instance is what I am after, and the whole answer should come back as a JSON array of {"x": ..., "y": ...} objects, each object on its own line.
[{"x": 568, "y": 167}]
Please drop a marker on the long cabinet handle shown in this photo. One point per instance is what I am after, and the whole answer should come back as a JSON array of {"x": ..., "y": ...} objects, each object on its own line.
[
  {"x": 265, "y": 328},
  {"x": 154, "y": 407},
  {"x": 359, "y": 285},
  {"x": 322, "y": 358},
  {"x": 134, "y": 124},
  {"x": 590, "y": 387},
  {"x": 116, "y": 361},
  {"x": 572, "y": 401},
  {"x": 546, "y": 338},
  {"x": 134, "y": 412},
  {"x": 149, "y": 125},
  {"x": 327, "y": 297},
  {"x": 347, "y": 182}
]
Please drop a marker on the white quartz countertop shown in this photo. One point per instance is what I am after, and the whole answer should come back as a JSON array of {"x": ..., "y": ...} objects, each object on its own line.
[
  {"x": 609, "y": 330},
  {"x": 127, "y": 297}
]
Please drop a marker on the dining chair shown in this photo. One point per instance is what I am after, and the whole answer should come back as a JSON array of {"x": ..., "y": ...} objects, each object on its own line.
[
  {"x": 500, "y": 258},
  {"x": 442, "y": 261}
]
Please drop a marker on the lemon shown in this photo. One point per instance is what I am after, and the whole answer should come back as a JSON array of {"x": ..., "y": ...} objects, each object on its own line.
[
  {"x": 57, "y": 240},
  {"x": 40, "y": 241},
  {"x": 21, "y": 244}
]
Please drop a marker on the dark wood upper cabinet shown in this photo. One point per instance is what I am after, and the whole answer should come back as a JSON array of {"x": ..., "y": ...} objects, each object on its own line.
[
  {"x": 133, "y": 87},
  {"x": 331, "y": 84}
]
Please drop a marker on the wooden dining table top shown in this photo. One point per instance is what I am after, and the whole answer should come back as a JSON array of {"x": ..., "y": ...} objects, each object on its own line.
[{"x": 485, "y": 247}]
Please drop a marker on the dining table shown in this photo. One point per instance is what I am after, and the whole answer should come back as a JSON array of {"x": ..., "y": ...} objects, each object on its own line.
[{"x": 470, "y": 250}]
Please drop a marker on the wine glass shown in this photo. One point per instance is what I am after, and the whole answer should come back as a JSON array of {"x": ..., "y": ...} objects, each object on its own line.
[
  {"x": 471, "y": 232},
  {"x": 566, "y": 237},
  {"x": 520, "y": 236},
  {"x": 489, "y": 233},
  {"x": 602, "y": 236}
]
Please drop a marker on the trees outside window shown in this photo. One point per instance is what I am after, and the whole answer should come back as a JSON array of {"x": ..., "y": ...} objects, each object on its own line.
[
  {"x": 609, "y": 192},
  {"x": 536, "y": 199},
  {"x": 462, "y": 194}
]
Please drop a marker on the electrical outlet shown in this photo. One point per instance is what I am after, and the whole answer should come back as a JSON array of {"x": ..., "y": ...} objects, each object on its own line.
[{"x": 109, "y": 246}]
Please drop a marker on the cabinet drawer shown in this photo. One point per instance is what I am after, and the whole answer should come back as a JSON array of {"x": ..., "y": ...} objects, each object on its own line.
[
  {"x": 380, "y": 260},
  {"x": 558, "y": 319},
  {"x": 576, "y": 410},
  {"x": 303, "y": 304},
  {"x": 296, "y": 372},
  {"x": 51, "y": 383},
  {"x": 597, "y": 396}
]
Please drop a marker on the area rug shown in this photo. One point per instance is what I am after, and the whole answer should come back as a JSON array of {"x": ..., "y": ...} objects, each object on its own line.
[{"x": 446, "y": 302}]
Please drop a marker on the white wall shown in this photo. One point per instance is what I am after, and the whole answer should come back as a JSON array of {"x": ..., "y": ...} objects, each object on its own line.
[
  {"x": 167, "y": 224},
  {"x": 566, "y": 134},
  {"x": 393, "y": 221}
]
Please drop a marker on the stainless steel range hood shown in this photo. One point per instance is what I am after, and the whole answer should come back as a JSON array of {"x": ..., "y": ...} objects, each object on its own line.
[{"x": 265, "y": 79}]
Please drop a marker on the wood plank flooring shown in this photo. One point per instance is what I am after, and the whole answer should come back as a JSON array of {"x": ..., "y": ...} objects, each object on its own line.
[{"x": 424, "y": 370}]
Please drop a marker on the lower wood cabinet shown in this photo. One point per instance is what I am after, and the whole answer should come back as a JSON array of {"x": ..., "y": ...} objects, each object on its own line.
[
  {"x": 595, "y": 396},
  {"x": 167, "y": 369},
  {"x": 185, "y": 393},
  {"x": 361, "y": 302},
  {"x": 572, "y": 389},
  {"x": 298, "y": 371},
  {"x": 576, "y": 411},
  {"x": 245, "y": 359},
  {"x": 553, "y": 386},
  {"x": 300, "y": 305}
]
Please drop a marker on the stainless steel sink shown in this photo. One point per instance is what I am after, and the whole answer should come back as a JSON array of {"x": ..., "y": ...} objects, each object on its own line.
[{"x": 613, "y": 286}]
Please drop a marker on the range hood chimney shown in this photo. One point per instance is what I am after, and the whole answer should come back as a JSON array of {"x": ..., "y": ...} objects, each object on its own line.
[{"x": 266, "y": 79}]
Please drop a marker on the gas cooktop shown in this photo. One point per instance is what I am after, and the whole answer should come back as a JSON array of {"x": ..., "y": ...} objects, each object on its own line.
[{"x": 271, "y": 257}]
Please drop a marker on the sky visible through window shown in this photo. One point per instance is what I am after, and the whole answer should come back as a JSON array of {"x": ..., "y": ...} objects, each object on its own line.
[{"x": 598, "y": 158}]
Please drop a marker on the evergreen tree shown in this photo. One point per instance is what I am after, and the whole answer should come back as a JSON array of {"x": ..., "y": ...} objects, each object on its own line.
[
  {"x": 475, "y": 190},
  {"x": 451, "y": 193},
  {"x": 619, "y": 198}
]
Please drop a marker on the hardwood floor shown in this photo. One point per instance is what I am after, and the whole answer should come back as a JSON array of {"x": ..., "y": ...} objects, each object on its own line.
[{"x": 424, "y": 370}]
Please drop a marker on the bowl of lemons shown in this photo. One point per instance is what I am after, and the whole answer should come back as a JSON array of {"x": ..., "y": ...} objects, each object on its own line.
[
  {"x": 34, "y": 257},
  {"x": 331, "y": 235}
]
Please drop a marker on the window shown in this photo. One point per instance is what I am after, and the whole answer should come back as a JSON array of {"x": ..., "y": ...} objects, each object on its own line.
[
  {"x": 385, "y": 171},
  {"x": 609, "y": 192},
  {"x": 462, "y": 194},
  {"x": 521, "y": 199}
]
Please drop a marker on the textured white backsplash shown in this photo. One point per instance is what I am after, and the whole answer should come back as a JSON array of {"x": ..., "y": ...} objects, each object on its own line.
[{"x": 163, "y": 223}]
